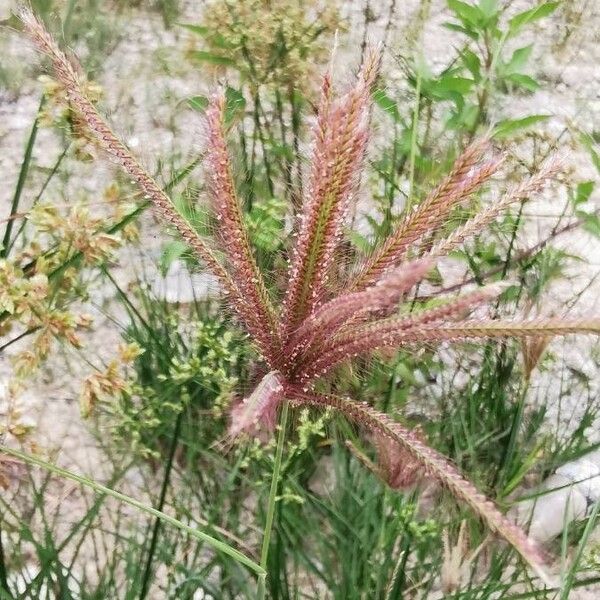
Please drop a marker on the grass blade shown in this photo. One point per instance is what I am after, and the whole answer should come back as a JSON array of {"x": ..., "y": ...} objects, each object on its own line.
[{"x": 98, "y": 487}]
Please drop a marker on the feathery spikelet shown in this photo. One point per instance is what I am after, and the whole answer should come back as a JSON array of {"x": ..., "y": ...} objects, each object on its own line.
[
  {"x": 397, "y": 466},
  {"x": 68, "y": 75},
  {"x": 505, "y": 329},
  {"x": 377, "y": 338},
  {"x": 340, "y": 141},
  {"x": 479, "y": 222},
  {"x": 335, "y": 314},
  {"x": 389, "y": 332},
  {"x": 315, "y": 332},
  {"x": 532, "y": 349},
  {"x": 233, "y": 234},
  {"x": 259, "y": 410},
  {"x": 464, "y": 179}
]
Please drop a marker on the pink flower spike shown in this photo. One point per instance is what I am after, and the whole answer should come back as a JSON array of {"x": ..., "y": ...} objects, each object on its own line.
[{"x": 258, "y": 411}]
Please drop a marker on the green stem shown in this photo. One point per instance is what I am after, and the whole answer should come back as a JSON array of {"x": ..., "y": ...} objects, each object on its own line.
[
  {"x": 3, "y": 573},
  {"x": 52, "y": 173},
  {"x": 414, "y": 142},
  {"x": 264, "y": 553},
  {"x": 160, "y": 505},
  {"x": 21, "y": 182},
  {"x": 504, "y": 469}
]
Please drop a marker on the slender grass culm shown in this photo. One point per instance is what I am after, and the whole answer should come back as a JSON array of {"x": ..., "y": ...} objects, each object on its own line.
[{"x": 332, "y": 314}]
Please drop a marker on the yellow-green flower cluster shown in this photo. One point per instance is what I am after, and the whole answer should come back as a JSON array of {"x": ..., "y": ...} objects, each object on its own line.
[
  {"x": 140, "y": 409},
  {"x": 27, "y": 301},
  {"x": 40, "y": 280},
  {"x": 272, "y": 42},
  {"x": 57, "y": 112},
  {"x": 76, "y": 232},
  {"x": 115, "y": 379}
]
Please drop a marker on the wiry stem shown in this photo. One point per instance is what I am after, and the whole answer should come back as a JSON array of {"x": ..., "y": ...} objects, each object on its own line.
[
  {"x": 435, "y": 464},
  {"x": 264, "y": 552}
]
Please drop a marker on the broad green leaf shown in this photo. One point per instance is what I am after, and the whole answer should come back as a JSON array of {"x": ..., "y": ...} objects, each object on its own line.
[
  {"x": 472, "y": 63},
  {"x": 450, "y": 83},
  {"x": 470, "y": 32},
  {"x": 529, "y": 16},
  {"x": 464, "y": 117},
  {"x": 590, "y": 222},
  {"x": 523, "y": 81},
  {"x": 198, "y": 103},
  {"x": 509, "y": 126},
  {"x": 387, "y": 104},
  {"x": 518, "y": 59},
  {"x": 467, "y": 13},
  {"x": 489, "y": 8},
  {"x": 583, "y": 192}
]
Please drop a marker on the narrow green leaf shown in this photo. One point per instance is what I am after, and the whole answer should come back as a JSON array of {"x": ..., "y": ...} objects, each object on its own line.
[
  {"x": 199, "y": 29},
  {"x": 214, "y": 59},
  {"x": 387, "y": 104},
  {"x": 235, "y": 103},
  {"x": 171, "y": 252},
  {"x": 509, "y": 126},
  {"x": 570, "y": 579},
  {"x": 588, "y": 141},
  {"x": 360, "y": 242}
]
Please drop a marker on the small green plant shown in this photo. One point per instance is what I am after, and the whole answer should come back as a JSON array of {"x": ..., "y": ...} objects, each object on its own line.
[
  {"x": 333, "y": 312},
  {"x": 267, "y": 44}
]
